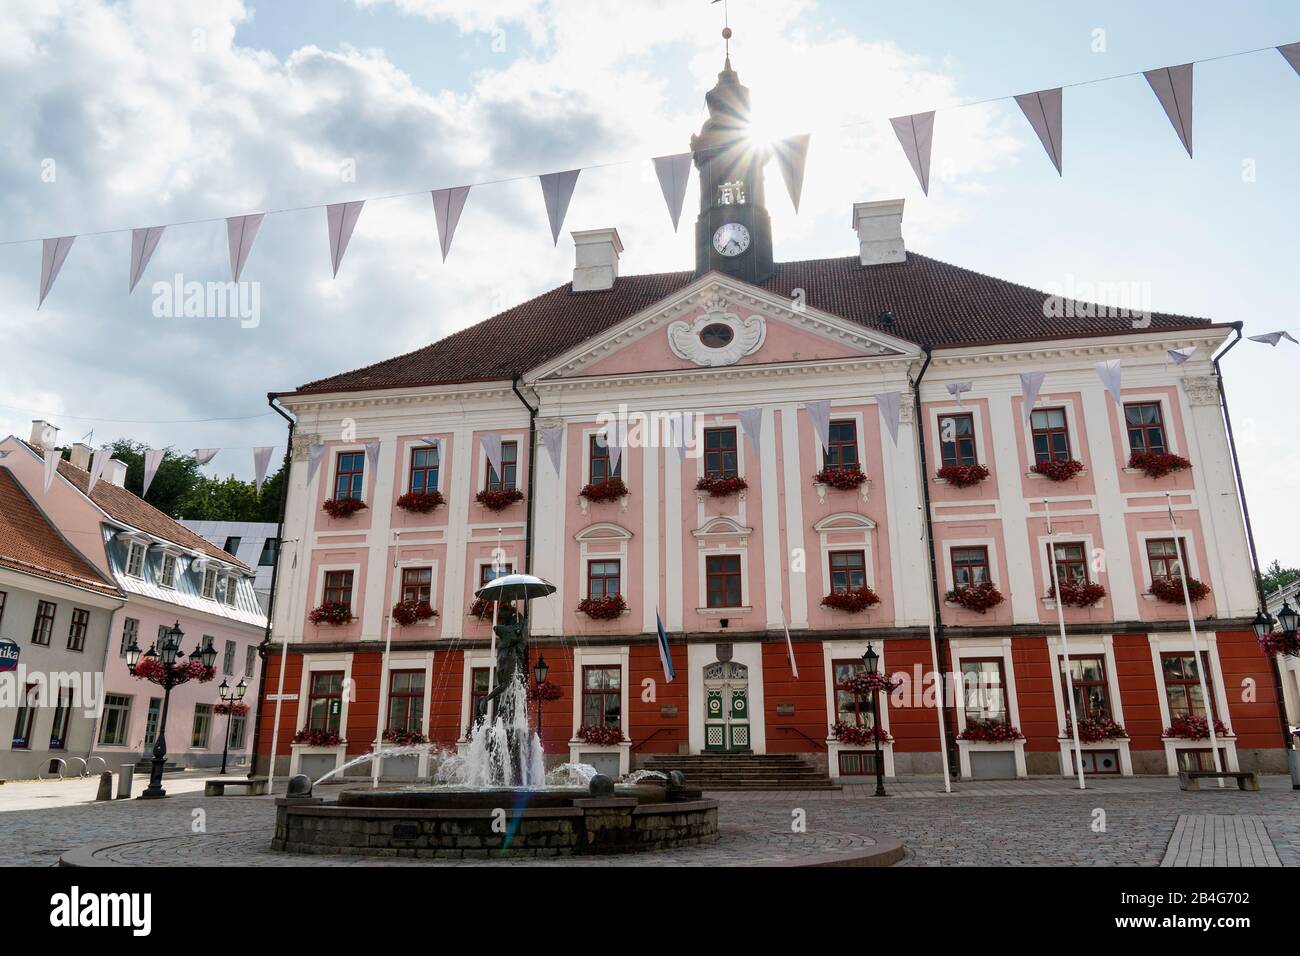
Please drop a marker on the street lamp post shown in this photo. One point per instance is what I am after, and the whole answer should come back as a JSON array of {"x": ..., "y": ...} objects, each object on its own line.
[
  {"x": 540, "y": 670},
  {"x": 230, "y": 697},
  {"x": 1288, "y": 621},
  {"x": 872, "y": 660}
]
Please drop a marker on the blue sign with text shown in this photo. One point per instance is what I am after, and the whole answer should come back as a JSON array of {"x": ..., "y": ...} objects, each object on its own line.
[{"x": 8, "y": 655}]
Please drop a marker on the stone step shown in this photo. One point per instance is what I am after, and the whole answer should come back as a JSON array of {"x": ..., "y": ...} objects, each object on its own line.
[{"x": 743, "y": 771}]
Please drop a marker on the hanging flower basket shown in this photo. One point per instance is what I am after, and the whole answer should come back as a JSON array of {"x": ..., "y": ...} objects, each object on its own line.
[
  {"x": 1170, "y": 590},
  {"x": 481, "y": 609},
  {"x": 962, "y": 476},
  {"x": 1058, "y": 470},
  {"x": 547, "y": 690},
  {"x": 603, "y": 608},
  {"x": 1095, "y": 729},
  {"x": 332, "y": 613},
  {"x": 865, "y": 683},
  {"x": 1158, "y": 464},
  {"x": 1193, "y": 728},
  {"x": 318, "y": 738},
  {"x": 601, "y": 736},
  {"x": 499, "y": 500},
  {"x": 977, "y": 597},
  {"x": 183, "y": 671},
  {"x": 1079, "y": 593},
  {"x": 852, "y": 601},
  {"x": 421, "y": 502},
  {"x": 1286, "y": 642},
  {"x": 721, "y": 487},
  {"x": 405, "y": 738},
  {"x": 408, "y": 612},
  {"x": 611, "y": 489},
  {"x": 841, "y": 479},
  {"x": 991, "y": 732},
  {"x": 343, "y": 507},
  {"x": 237, "y": 709},
  {"x": 847, "y": 733}
]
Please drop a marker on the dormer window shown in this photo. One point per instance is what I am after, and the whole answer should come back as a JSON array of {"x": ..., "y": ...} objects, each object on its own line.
[
  {"x": 232, "y": 583},
  {"x": 167, "y": 576},
  {"x": 135, "y": 560},
  {"x": 210, "y": 583}
]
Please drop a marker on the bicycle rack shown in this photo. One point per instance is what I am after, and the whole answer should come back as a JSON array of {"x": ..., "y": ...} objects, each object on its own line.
[
  {"x": 84, "y": 772},
  {"x": 94, "y": 758},
  {"x": 63, "y": 768}
]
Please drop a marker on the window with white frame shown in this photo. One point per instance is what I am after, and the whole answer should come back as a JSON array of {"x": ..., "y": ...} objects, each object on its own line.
[
  {"x": 130, "y": 633},
  {"x": 232, "y": 589},
  {"x": 135, "y": 560},
  {"x": 209, "y": 583},
  {"x": 167, "y": 575}
]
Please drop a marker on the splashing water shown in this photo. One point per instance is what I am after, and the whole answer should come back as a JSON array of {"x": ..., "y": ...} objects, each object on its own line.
[
  {"x": 571, "y": 775},
  {"x": 636, "y": 776}
]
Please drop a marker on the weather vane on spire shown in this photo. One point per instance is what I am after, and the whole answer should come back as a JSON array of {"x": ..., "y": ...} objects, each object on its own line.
[{"x": 726, "y": 31}]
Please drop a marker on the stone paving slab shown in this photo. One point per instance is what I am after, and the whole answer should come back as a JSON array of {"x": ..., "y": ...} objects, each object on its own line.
[{"x": 1217, "y": 840}]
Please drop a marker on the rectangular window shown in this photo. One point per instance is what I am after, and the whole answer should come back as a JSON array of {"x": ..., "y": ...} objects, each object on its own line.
[
  {"x": 338, "y": 588},
  {"x": 232, "y": 590},
  {"x": 600, "y": 470},
  {"x": 850, "y": 707},
  {"x": 151, "y": 718},
  {"x": 135, "y": 560},
  {"x": 130, "y": 635},
  {"x": 720, "y": 453},
  {"x": 602, "y": 579},
  {"x": 1183, "y": 684},
  {"x": 62, "y": 713},
  {"x": 1091, "y": 692},
  {"x": 984, "y": 689},
  {"x": 848, "y": 571},
  {"x": 348, "y": 475},
  {"x": 202, "y": 726},
  {"x": 238, "y": 727},
  {"x": 167, "y": 574},
  {"x": 509, "y": 468},
  {"x": 970, "y": 566},
  {"x": 602, "y": 696},
  {"x": 488, "y": 573},
  {"x": 406, "y": 701},
  {"x": 227, "y": 658},
  {"x": 43, "y": 628},
  {"x": 478, "y": 692},
  {"x": 77, "y": 631},
  {"x": 115, "y": 721},
  {"x": 722, "y": 584},
  {"x": 209, "y": 583},
  {"x": 1162, "y": 559},
  {"x": 842, "y": 445},
  {"x": 24, "y": 718},
  {"x": 325, "y": 701},
  {"x": 424, "y": 470},
  {"x": 1071, "y": 563},
  {"x": 250, "y": 660},
  {"x": 957, "y": 440},
  {"x": 1146, "y": 428},
  {"x": 232, "y": 545},
  {"x": 417, "y": 584},
  {"x": 270, "y": 548},
  {"x": 1051, "y": 435}
]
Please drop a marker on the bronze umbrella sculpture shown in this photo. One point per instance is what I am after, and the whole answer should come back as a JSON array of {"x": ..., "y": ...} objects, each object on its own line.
[{"x": 511, "y": 656}]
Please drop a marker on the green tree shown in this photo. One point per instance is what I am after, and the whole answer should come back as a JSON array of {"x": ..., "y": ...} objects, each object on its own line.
[
  {"x": 1275, "y": 576},
  {"x": 177, "y": 475}
]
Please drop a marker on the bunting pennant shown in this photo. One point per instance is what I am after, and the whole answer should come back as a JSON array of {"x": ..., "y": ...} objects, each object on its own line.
[
  {"x": 665, "y": 653},
  {"x": 261, "y": 460},
  {"x": 1272, "y": 338},
  {"x": 53, "y": 252},
  {"x": 1043, "y": 110},
  {"x": 434, "y": 442},
  {"x": 557, "y": 190},
  {"x": 492, "y": 448},
  {"x": 791, "y": 157},
  {"x": 1291, "y": 52},
  {"x": 955, "y": 389},
  {"x": 751, "y": 420},
  {"x": 1030, "y": 383},
  {"x": 615, "y": 439},
  {"x": 341, "y": 217},
  {"x": 372, "y": 454},
  {"x": 240, "y": 233},
  {"x": 314, "y": 455},
  {"x": 673, "y": 172},
  {"x": 789, "y": 646},
  {"x": 916, "y": 135},
  {"x": 1109, "y": 372},
  {"x": 1173, "y": 88},
  {"x": 204, "y": 455},
  {"x": 97, "y": 467},
  {"x": 447, "y": 207},
  {"x": 889, "y": 403},
  {"x": 152, "y": 459},
  {"x": 52, "y": 456},
  {"x": 1179, "y": 356},
  {"x": 552, "y": 436},
  {"x": 820, "y": 415},
  {"x": 143, "y": 243}
]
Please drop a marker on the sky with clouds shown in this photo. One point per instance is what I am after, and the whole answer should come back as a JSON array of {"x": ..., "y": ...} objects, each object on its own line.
[{"x": 126, "y": 114}]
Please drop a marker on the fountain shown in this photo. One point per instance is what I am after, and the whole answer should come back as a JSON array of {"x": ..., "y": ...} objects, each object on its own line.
[{"x": 497, "y": 799}]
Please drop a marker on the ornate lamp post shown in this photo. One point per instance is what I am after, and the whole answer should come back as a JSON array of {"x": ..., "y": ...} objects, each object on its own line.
[
  {"x": 163, "y": 666},
  {"x": 230, "y": 697},
  {"x": 872, "y": 660},
  {"x": 1284, "y": 640},
  {"x": 540, "y": 670}
]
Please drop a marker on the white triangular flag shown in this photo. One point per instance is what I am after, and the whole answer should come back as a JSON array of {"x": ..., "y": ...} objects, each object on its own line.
[
  {"x": 1291, "y": 52},
  {"x": 314, "y": 455},
  {"x": 552, "y": 436},
  {"x": 916, "y": 135},
  {"x": 97, "y": 467},
  {"x": 615, "y": 438},
  {"x": 261, "y": 460},
  {"x": 492, "y": 448},
  {"x": 204, "y": 455},
  {"x": 372, "y": 454},
  {"x": 152, "y": 459},
  {"x": 557, "y": 190},
  {"x": 143, "y": 243},
  {"x": 53, "y": 252},
  {"x": 1271, "y": 338},
  {"x": 889, "y": 403},
  {"x": 1109, "y": 372},
  {"x": 673, "y": 172},
  {"x": 52, "y": 456},
  {"x": 341, "y": 217},
  {"x": 791, "y": 158},
  {"x": 447, "y": 207},
  {"x": 1173, "y": 88},
  {"x": 240, "y": 233},
  {"x": 955, "y": 389},
  {"x": 751, "y": 420},
  {"x": 819, "y": 413},
  {"x": 1179, "y": 356},
  {"x": 1043, "y": 110},
  {"x": 1030, "y": 384}
]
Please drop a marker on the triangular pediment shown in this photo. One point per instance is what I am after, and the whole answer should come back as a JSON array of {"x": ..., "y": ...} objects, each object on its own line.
[{"x": 718, "y": 322}]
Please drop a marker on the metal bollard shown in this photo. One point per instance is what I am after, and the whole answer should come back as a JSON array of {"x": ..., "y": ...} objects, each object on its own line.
[
  {"x": 105, "y": 791},
  {"x": 125, "y": 777}
]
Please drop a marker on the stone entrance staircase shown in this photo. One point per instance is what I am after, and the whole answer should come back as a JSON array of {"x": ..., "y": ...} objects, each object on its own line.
[{"x": 740, "y": 771}]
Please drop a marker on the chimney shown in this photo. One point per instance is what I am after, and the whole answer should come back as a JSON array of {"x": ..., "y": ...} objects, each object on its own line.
[
  {"x": 115, "y": 471},
  {"x": 81, "y": 453},
  {"x": 879, "y": 226},
  {"x": 596, "y": 254},
  {"x": 44, "y": 435}
]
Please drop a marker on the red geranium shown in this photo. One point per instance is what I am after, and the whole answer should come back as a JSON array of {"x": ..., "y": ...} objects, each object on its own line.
[
  {"x": 317, "y": 738},
  {"x": 976, "y": 597},
  {"x": 1193, "y": 728},
  {"x": 611, "y": 489},
  {"x": 1059, "y": 470},
  {"x": 853, "y": 601},
  {"x": 1170, "y": 590},
  {"x": 1095, "y": 729},
  {"x": 547, "y": 690},
  {"x": 331, "y": 613},
  {"x": 841, "y": 479},
  {"x": 865, "y": 683},
  {"x": 721, "y": 487},
  {"x": 991, "y": 732},
  {"x": 603, "y": 608},
  {"x": 408, "y": 612},
  {"x": 237, "y": 709},
  {"x": 499, "y": 500},
  {"x": 405, "y": 738},
  {"x": 596, "y": 734},
  {"x": 1285, "y": 642},
  {"x": 152, "y": 669},
  {"x": 1079, "y": 593},
  {"x": 420, "y": 501},
  {"x": 1158, "y": 464},
  {"x": 481, "y": 609},
  {"x": 343, "y": 507},
  {"x": 848, "y": 733},
  {"x": 962, "y": 476}
]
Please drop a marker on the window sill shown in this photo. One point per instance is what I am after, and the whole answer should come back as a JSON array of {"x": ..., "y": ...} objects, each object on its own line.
[
  {"x": 821, "y": 488},
  {"x": 577, "y": 743},
  {"x": 1050, "y": 604},
  {"x": 745, "y": 609},
  {"x": 1083, "y": 473},
  {"x": 585, "y": 504},
  {"x": 623, "y": 613}
]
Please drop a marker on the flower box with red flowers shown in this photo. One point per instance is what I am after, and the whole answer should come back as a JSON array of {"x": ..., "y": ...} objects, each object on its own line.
[
  {"x": 405, "y": 738},
  {"x": 721, "y": 487},
  {"x": 500, "y": 499},
  {"x": 1062, "y": 470},
  {"x": 546, "y": 690},
  {"x": 409, "y": 612},
  {"x": 865, "y": 683},
  {"x": 152, "y": 669},
  {"x": 1095, "y": 729},
  {"x": 1193, "y": 728},
  {"x": 603, "y": 608},
  {"x": 343, "y": 507},
  {"x": 318, "y": 738},
  {"x": 962, "y": 476},
  {"x": 841, "y": 479},
  {"x": 852, "y": 601},
  {"x": 237, "y": 709},
  {"x": 1285, "y": 642},
  {"x": 421, "y": 502},
  {"x": 991, "y": 732},
  {"x": 976, "y": 597},
  {"x": 611, "y": 489},
  {"x": 1157, "y": 464},
  {"x": 1170, "y": 590},
  {"x": 481, "y": 609},
  {"x": 847, "y": 733},
  {"x": 1079, "y": 593},
  {"x": 600, "y": 736},
  {"x": 331, "y": 613}
]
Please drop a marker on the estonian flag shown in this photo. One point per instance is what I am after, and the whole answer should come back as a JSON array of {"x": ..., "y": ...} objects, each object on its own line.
[{"x": 665, "y": 656}]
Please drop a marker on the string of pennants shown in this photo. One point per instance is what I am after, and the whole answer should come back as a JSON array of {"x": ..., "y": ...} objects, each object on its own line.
[
  {"x": 1172, "y": 86},
  {"x": 153, "y": 458}
]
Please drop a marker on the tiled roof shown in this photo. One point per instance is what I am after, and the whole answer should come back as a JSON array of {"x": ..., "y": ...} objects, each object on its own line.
[
  {"x": 29, "y": 542},
  {"x": 932, "y": 302}
]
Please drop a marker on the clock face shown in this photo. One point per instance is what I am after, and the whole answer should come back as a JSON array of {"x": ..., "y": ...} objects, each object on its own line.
[{"x": 731, "y": 239}]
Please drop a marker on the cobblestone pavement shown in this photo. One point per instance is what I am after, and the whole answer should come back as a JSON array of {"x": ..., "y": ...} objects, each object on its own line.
[{"x": 1008, "y": 823}]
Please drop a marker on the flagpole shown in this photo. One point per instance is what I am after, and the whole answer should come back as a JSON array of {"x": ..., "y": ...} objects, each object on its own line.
[
  {"x": 938, "y": 687},
  {"x": 1065, "y": 643},
  {"x": 1196, "y": 640},
  {"x": 383, "y": 680}
]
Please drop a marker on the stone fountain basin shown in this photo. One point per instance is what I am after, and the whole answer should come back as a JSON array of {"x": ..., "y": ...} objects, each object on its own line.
[{"x": 461, "y": 798}]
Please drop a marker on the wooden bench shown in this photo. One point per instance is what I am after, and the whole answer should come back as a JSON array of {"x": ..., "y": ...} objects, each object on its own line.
[
  {"x": 217, "y": 788},
  {"x": 1191, "y": 779}
]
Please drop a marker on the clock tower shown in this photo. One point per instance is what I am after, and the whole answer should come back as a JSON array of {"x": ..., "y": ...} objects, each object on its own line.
[{"x": 733, "y": 233}]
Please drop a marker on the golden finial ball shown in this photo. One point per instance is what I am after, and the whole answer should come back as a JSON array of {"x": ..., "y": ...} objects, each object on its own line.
[{"x": 726, "y": 33}]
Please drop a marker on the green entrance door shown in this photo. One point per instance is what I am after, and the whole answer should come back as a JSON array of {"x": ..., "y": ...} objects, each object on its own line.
[{"x": 726, "y": 706}]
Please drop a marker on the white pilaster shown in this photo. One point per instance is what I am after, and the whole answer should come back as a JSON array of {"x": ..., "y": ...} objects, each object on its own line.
[
  {"x": 1110, "y": 506},
  {"x": 772, "y": 563},
  {"x": 794, "y": 514},
  {"x": 649, "y": 492},
  {"x": 1015, "y": 511}
]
